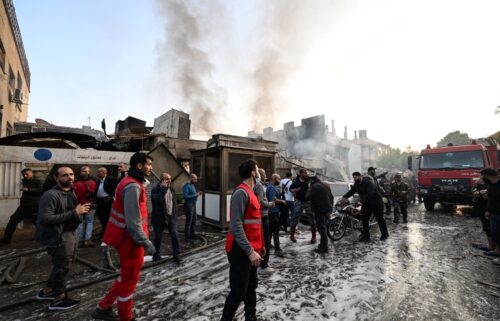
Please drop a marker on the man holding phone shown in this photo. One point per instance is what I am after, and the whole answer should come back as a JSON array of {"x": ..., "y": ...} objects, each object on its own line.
[
  {"x": 58, "y": 218},
  {"x": 244, "y": 245}
]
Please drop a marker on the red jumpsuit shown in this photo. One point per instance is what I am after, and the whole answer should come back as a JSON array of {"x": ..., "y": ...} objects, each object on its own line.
[{"x": 131, "y": 254}]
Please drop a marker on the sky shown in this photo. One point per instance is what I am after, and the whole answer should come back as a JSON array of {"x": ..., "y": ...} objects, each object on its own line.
[{"x": 408, "y": 72}]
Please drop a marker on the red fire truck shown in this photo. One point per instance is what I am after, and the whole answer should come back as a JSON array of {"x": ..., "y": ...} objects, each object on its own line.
[{"x": 446, "y": 175}]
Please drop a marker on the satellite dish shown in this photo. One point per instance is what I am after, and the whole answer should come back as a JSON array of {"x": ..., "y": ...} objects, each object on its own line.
[{"x": 40, "y": 121}]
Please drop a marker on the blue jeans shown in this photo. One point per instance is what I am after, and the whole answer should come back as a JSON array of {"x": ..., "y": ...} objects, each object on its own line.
[
  {"x": 88, "y": 219},
  {"x": 190, "y": 209},
  {"x": 495, "y": 228}
]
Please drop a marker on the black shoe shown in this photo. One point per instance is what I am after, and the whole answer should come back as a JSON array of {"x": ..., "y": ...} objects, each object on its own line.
[
  {"x": 107, "y": 314},
  {"x": 4, "y": 241},
  {"x": 405, "y": 221},
  {"x": 320, "y": 250},
  {"x": 177, "y": 259},
  {"x": 384, "y": 237},
  {"x": 364, "y": 239},
  {"x": 279, "y": 252},
  {"x": 156, "y": 257},
  {"x": 64, "y": 304},
  {"x": 396, "y": 221},
  {"x": 42, "y": 296}
]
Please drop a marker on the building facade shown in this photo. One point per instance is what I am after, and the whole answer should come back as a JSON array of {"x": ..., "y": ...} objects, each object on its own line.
[
  {"x": 14, "y": 71},
  {"x": 174, "y": 123}
]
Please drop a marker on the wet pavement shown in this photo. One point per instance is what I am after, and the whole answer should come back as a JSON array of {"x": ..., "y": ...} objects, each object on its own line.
[{"x": 426, "y": 270}]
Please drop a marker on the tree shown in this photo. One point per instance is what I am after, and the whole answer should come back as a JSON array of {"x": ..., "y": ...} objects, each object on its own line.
[
  {"x": 454, "y": 138},
  {"x": 394, "y": 158},
  {"x": 496, "y": 136}
]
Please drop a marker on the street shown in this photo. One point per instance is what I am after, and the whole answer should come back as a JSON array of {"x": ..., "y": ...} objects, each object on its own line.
[{"x": 426, "y": 270}]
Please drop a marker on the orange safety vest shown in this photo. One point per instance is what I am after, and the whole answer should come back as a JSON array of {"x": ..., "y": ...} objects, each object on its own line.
[
  {"x": 252, "y": 223},
  {"x": 116, "y": 229}
]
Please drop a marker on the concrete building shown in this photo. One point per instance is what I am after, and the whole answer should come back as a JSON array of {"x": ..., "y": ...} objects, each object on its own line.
[
  {"x": 313, "y": 145},
  {"x": 173, "y": 123},
  {"x": 131, "y": 126},
  {"x": 15, "y": 80}
]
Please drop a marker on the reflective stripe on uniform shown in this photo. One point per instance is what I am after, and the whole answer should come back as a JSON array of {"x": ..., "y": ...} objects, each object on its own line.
[
  {"x": 120, "y": 215},
  {"x": 252, "y": 221},
  {"x": 125, "y": 299},
  {"x": 114, "y": 221}
]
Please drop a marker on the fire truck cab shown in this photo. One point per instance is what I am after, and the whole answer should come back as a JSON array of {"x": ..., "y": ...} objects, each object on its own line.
[{"x": 446, "y": 175}]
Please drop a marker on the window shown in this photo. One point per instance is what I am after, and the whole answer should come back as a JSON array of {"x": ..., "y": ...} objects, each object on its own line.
[
  {"x": 452, "y": 160},
  {"x": 265, "y": 163},
  {"x": 19, "y": 81},
  {"x": 234, "y": 163},
  {"x": 8, "y": 130},
  {"x": 2, "y": 56},
  {"x": 212, "y": 171},
  {"x": 12, "y": 79}
]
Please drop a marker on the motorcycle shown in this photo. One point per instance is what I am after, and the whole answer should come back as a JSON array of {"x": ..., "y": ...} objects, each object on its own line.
[{"x": 346, "y": 216}]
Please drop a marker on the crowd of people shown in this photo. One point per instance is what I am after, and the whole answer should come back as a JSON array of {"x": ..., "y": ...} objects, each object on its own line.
[
  {"x": 64, "y": 207},
  {"x": 260, "y": 208}
]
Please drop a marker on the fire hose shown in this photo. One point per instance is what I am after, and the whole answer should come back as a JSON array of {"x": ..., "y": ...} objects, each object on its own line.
[{"x": 113, "y": 275}]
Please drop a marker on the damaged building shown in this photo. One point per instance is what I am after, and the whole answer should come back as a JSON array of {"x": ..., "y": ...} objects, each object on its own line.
[{"x": 313, "y": 145}]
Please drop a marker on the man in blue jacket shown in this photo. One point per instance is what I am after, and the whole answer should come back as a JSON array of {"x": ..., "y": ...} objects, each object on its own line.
[
  {"x": 190, "y": 196},
  {"x": 165, "y": 214}
]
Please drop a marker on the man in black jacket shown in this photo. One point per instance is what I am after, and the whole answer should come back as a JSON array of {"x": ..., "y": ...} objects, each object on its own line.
[
  {"x": 492, "y": 194},
  {"x": 28, "y": 207},
  {"x": 371, "y": 204},
  {"x": 106, "y": 186},
  {"x": 321, "y": 198},
  {"x": 299, "y": 188},
  {"x": 58, "y": 218},
  {"x": 164, "y": 214}
]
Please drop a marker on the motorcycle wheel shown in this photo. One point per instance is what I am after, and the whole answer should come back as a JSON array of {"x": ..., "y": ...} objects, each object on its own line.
[{"x": 336, "y": 229}]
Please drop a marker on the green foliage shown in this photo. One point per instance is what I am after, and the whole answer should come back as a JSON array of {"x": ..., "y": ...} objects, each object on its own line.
[
  {"x": 394, "y": 158},
  {"x": 496, "y": 136},
  {"x": 456, "y": 138}
]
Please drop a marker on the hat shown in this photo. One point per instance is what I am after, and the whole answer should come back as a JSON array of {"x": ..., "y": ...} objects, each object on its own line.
[
  {"x": 397, "y": 175},
  {"x": 371, "y": 168}
]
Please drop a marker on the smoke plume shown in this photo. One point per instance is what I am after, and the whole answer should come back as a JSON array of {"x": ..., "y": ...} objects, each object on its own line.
[
  {"x": 189, "y": 64},
  {"x": 289, "y": 27}
]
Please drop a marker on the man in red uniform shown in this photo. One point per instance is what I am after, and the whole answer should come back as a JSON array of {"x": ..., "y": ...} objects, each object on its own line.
[
  {"x": 244, "y": 245},
  {"x": 127, "y": 231}
]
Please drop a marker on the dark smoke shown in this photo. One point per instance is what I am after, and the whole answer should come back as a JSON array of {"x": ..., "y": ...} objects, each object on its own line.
[{"x": 190, "y": 64}]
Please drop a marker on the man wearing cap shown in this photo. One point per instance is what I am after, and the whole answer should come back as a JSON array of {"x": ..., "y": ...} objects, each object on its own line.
[
  {"x": 371, "y": 204},
  {"x": 399, "y": 194}
]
